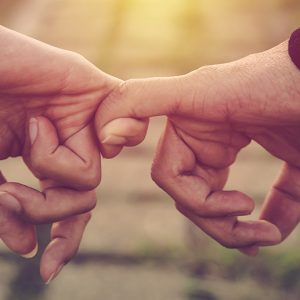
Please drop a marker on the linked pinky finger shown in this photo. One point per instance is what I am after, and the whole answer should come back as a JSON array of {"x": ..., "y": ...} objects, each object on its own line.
[{"x": 65, "y": 241}]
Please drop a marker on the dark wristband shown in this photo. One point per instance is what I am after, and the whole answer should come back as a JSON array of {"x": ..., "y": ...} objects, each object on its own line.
[{"x": 294, "y": 47}]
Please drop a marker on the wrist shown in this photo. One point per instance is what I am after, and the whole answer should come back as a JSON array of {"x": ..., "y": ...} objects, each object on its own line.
[{"x": 267, "y": 83}]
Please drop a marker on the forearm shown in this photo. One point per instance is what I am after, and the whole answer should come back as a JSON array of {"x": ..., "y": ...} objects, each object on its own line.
[
  {"x": 265, "y": 83},
  {"x": 30, "y": 72},
  {"x": 275, "y": 68}
]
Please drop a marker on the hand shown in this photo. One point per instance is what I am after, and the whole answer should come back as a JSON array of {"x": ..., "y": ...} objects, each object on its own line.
[
  {"x": 37, "y": 79},
  {"x": 21, "y": 208},
  {"x": 213, "y": 113}
]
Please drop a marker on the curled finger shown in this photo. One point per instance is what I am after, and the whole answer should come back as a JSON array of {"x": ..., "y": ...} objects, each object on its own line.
[
  {"x": 75, "y": 163},
  {"x": 54, "y": 204},
  {"x": 18, "y": 235},
  {"x": 65, "y": 240},
  {"x": 197, "y": 188}
]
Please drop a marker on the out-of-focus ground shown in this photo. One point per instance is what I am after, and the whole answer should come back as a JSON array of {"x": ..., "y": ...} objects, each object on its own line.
[{"x": 137, "y": 246}]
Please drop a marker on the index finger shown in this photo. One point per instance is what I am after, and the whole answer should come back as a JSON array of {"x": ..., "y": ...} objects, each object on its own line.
[
  {"x": 75, "y": 163},
  {"x": 198, "y": 188}
]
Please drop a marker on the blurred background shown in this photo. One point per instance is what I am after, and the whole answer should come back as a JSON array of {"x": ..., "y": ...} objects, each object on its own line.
[{"x": 137, "y": 246}]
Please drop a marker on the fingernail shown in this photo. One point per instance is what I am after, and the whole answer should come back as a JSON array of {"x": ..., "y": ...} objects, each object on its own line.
[
  {"x": 114, "y": 140},
  {"x": 33, "y": 129},
  {"x": 32, "y": 253},
  {"x": 10, "y": 202},
  {"x": 54, "y": 274}
]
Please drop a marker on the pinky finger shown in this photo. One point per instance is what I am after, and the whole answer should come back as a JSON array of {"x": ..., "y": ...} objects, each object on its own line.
[{"x": 65, "y": 240}]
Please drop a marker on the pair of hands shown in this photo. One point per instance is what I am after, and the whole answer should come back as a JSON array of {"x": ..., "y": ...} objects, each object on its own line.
[{"x": 212, "y": 113}]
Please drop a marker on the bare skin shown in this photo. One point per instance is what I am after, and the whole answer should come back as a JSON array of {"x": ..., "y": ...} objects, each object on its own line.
[
  {"x": 61, "y": 148},
  {"x": 213, "y": 113}
]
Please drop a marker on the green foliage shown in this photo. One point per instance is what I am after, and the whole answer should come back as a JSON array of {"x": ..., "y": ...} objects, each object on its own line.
[{"x": 286, "y": 270}]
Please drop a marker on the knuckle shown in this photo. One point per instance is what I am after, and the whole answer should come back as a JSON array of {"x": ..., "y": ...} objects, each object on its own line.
[
  {"x": 85, "y": 218},
  {"x": 5, "y": 215},
  {"x": 92, "y": 181},
  {"x": 183, "y": 206},
  {"x": 37, "y": 163},
  {"x": 159, "y": 178},
  {"x": 92, "y": 201},
  {"x": 155, "y": 174},
  {"x": 13, "y": 188},
  {"x": 91, "y": 175},
  {"x": 194, "y": 206},
  {"x": 36, "y": 216},
  {"x": 227, "y": 242},
  {"x": 180, "y": 208},
  {"x": 197, "y": 207},
  {"x": 87, "y": 201},
  {"x": 158, "y": 172},
  {"x": 122, "y": 89}
]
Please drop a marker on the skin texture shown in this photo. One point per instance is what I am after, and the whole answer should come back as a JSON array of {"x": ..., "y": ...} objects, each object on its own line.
[
  {"x": 213, "y": 113},
  {"x": 48, "y": 98}
]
